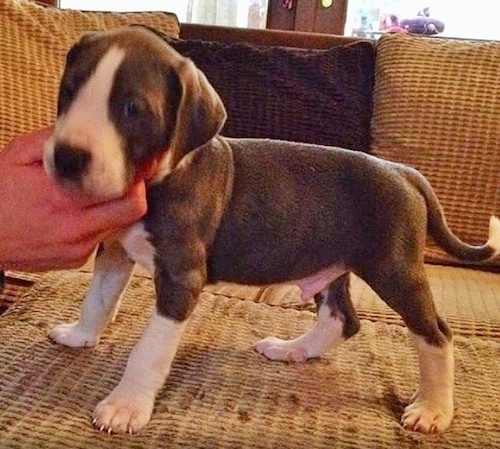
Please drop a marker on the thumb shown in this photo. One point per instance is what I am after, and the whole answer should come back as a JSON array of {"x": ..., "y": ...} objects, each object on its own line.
[{"x": 28, "y": 148}]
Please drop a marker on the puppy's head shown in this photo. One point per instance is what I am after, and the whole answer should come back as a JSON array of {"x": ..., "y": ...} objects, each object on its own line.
[{"x": 128, "y": 102}]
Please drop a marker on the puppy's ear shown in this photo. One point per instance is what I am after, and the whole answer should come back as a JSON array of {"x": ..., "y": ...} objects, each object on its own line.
[
  {"x": 200, "y": 114},
  {"x": 77, "y": 47}
]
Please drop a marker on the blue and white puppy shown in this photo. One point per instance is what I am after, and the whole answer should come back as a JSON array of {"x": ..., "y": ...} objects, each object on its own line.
[{"x": 251, "y": 211}]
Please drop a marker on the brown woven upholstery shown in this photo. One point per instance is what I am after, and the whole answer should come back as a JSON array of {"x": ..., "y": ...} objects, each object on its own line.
[
  {"x": 34, "y": 42},
  {"x": 222, "y": 394},
  {"x": 436, "y": 107},
  {"x": 315, "y": 96},
  {"x": 467, "y": 298}
]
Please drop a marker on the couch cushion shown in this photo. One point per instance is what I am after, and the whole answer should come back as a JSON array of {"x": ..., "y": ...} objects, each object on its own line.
[
  {"x": 315, "y": 96},
  {"x": 436, "y": 107},
  {"x": 221, "y": 393},
  {"x": 468, "y": 299},
  {"x": 34, "y": 42}
]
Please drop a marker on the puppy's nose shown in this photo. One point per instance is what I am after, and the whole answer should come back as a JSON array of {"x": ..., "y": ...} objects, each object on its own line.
[{"x": 70, "y": 162}]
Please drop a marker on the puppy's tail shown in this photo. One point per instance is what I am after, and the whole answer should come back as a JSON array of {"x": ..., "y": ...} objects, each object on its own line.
[
  {"x": 454, "y": 246},
  {"x": 444, "y": 237}
]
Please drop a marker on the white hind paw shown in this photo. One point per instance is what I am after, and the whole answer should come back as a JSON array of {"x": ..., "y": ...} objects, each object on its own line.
[{"x": 427, "y": 416}]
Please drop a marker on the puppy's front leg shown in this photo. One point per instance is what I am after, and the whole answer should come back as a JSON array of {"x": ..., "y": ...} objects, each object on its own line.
[
  {"x": 129, "y": 406},
  {"x": 111, "y": 273}
]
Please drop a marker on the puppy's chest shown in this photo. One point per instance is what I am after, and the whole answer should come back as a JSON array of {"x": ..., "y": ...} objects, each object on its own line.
[{"x": 137, "y": 244}]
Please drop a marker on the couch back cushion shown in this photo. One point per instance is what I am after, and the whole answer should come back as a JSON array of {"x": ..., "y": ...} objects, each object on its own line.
[
  {"x": 314, "y": 96},
  {"x": 437, "y": 108},
  {"x": 34, "y": 43}
]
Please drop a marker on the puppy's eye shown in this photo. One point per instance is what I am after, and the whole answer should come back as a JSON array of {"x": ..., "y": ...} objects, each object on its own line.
[
  {"x": 68, "y": 90},
  {"x": 130, "y": 109},
  {"x": 66, "y": 95}
]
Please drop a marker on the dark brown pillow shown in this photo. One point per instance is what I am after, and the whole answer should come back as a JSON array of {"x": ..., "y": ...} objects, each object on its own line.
[{"x": 315, "y": 96}]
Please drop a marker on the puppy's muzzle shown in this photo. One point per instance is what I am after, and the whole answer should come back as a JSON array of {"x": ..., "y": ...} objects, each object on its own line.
[{"x": 70, "y": 163}]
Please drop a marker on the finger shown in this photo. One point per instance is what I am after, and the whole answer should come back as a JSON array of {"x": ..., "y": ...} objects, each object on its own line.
[
  {"x": 118, "y": 213},
  {"x": 94, "y": 223},
  {"x": 44, "y": 264},
  {"x": 54, "y": 257}
]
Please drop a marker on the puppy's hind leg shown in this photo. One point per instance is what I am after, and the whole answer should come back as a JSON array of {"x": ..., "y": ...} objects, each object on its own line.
[
  {"x": 406, "y": 289},
  {"x": 112, "y": 271},
  {"x": 337, "y": 321}
]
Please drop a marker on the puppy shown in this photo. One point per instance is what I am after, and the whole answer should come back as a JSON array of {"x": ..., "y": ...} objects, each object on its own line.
[{"x": 250, "y": 211}]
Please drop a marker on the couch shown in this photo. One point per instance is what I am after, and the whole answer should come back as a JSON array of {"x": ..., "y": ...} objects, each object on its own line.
[{"x": 429, "y": 102}]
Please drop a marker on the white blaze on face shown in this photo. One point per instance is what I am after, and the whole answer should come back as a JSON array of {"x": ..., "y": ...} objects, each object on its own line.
[{"x": 86, "y": 125}]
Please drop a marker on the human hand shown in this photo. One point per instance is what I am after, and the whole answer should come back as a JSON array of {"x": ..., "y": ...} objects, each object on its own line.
[{"x": 43, "y": 227}]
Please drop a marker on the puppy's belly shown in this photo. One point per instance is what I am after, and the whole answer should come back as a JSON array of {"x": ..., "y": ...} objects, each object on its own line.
[
  {"x": 319, "y": 281},
  {"x": 136, "y": 243}
]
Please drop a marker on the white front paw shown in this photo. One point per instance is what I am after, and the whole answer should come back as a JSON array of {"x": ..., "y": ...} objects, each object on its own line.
[{"x": 72, "y": 335}]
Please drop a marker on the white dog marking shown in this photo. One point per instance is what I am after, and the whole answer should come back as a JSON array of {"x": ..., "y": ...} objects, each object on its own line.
[
  {"x": 86, "y": 125},
  {"x": 129, "y": 406},
  {"x": 494, "y": 234},
  {"x": 136, "y": 242},
  {"x": 324, "y": 336},
  {"x": 431, "y": 410},
  {"x": 111, "y": 274}
]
